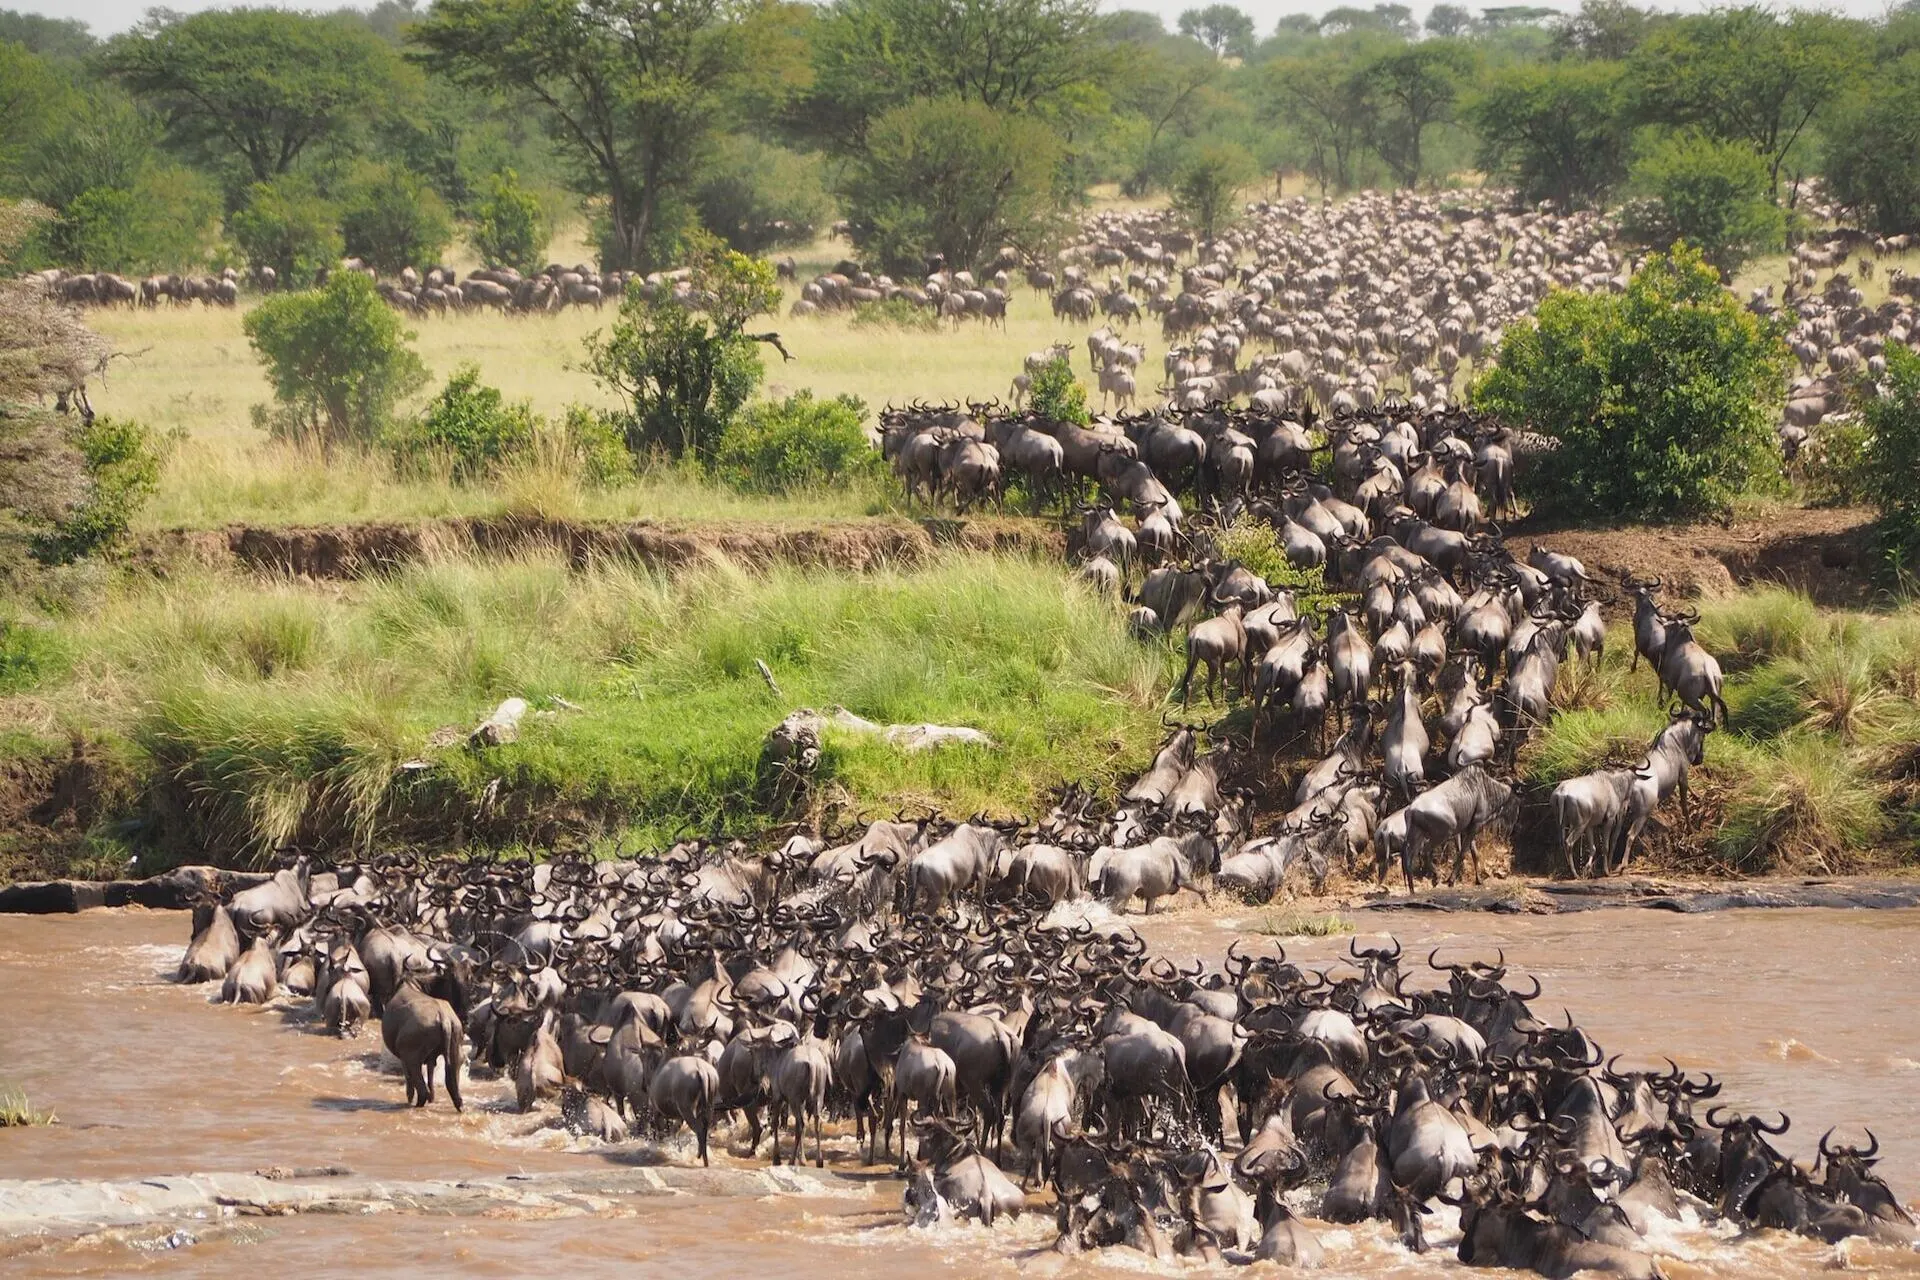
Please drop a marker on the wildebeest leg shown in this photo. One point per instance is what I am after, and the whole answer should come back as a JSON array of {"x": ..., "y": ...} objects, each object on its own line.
[
  {"x": 819, "y": 1149},
  {"x": 1408, "y": 852},
  {"x": 701, "y": 1124},
  {"x": 776, "y": 1113},
  {"x": 1686, "y": 806},
  {"x": 1186, "y": 682},
  {"x": 417, "y": 1084}
]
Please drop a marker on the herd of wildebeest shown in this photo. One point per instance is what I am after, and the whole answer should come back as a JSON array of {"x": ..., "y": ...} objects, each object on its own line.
[
  {"x": 939, "y": 985},
  {"x": 970, "y": 995}
]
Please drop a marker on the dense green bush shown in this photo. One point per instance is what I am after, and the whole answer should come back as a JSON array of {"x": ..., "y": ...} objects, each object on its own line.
[
  {"x": 469, "y": 425},
  {"x": 510, "y": 226},
  {"x": 685, "y": 375},
  {"x": 780, "y": 445},
  {"x": 1661, "y": 400},
  {"x": 157, "y": 224},
  {"x": 122, "y": 463},
  {"x": 286, "y": 224},
  {"x": 1714, "y": 195},
  {"x": 338, "y": 359},
  {"x": 1057, "y": 395},
  {"x": 391, "y": 219},
  {"x": 597, "y": 445},
  {"x": 1890, "y": 463},
  {"x": 1207, "y": 184}
]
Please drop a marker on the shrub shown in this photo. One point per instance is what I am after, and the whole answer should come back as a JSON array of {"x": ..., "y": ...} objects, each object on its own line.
[
  {"x": 1871, "y": 146},
  {"x": 1803, "y": 804},
  {"x": 1890, "y": 460},
  {"x": 338, "y": 359},
  {"x": 1057, "y": 395},
  {"x": 597, "y": 445},
  {"x": 123, "y": 469},
  {"x": 685, "y": 375},
  {"x": 1716, "y": 196},
  {"x": 392, "y": 219},
  {"x": 1206, "y": 187},
  {"x": 156, "y": 223},
  {"x": 780, "y": 445},
  {"x": 510, "y": 226},
  {"x": 1662, "y": 399},
  {"x": 28, "y": 654},
  {"x": 287, "y": 225},
  {"x": 469, "y": 424}
]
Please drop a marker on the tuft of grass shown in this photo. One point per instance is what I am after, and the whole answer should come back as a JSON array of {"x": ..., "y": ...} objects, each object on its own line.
[
  {"x": 1579, "y": 741},
  {"x": 1760, "y": 625},
  {"x": 1803, "y": 804},
  {"x": 1292, "y": 922},
  {"x": 17, "y": 1113}
]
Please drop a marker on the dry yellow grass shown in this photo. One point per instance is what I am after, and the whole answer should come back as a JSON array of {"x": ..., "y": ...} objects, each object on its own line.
[{"x": 191, "y": 372}]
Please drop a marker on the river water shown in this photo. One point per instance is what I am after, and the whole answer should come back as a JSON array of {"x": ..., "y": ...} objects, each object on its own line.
[{"x": 1813, "y": 1011}]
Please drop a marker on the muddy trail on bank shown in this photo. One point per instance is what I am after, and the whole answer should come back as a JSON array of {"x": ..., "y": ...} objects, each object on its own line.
[{"x": 1810, "y": 1010}]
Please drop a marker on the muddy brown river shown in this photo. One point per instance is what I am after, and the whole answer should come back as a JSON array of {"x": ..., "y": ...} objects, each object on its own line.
[{"x": 1814, "y": 1011}]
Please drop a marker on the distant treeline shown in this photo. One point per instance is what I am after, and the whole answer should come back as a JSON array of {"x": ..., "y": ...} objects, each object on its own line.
[{"x": 254, "y": 138}]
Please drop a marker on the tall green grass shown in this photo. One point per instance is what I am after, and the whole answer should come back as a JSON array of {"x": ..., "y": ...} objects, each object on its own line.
[
  {"x": 1818, "y": 765},
  {"x": 278, "y": 712}
]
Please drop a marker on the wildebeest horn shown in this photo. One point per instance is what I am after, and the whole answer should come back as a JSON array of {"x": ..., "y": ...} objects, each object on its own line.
[{"x": 1786, "y": 1122}]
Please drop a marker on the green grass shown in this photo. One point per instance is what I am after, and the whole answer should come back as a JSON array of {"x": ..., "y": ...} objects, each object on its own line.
[
  {"x": 1818, "y": 765},
  {"x": 1292, "y": 922},
  {"x": 15, "y": 1112},
  {"x": 264, "y": 712}
]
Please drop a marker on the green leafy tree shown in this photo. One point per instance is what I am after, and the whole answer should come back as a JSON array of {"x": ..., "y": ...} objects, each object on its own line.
[
  {"x": 510, "y": 226},
  {"x": 121, "y": 462},
  {"x": 1171, "y": 86},
  {"x": 627, "y": 89},
  {"x": 1206, "y": 191},
  {"x": 1327, "y": 100},
  {"x": 59, "y": 39},
  {"x": 338, "y": 360},
  {"x": 1414, "y": 89},
  {"x": 1746, "y": 75},
  {"x": 258, "y": 86},
  {"x": 1890, "y": 459},
  {"x": 954, "y": 177},
  {"x": 286, "y": 224},
  {"x": 1449, "y": 21},
  {"x": 1717, "y": 196},
  {"x": 757, "y": 196},
  {"x": 684, "y": 375},
  {"x": 1057, "y": 396},
  {"x": 469, "y": 425},
  {"x": 1603, "y": 30},
  {"x": 1871, "y": 145},
  {"x": 873, "y": 56},
  {"x": 1225, "y": 30},
  {"x": 1556, "y": 131},
  {"x": 392, "y": 219},
  {"x": 779, "y": 446},
  {"x": 32, "y": 98},
  {"x": 1661, "y": 400}
]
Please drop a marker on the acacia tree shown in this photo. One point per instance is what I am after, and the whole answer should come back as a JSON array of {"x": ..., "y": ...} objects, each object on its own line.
[
  {"x": 1221, "y": 27},
  {"x": 1413, "y": 89},
  {"x": 260, "y": 84},
  {"x": 871, "y": 56},
  {"x": 952, "y": 177},
  {"x": 1328, "y": 102},
  {"x": 1746, "y": 75},
  {"x": 1554, "y": 130},
  {"x": 628, "y": 89},
  {"x": 1872, "y": 147}
]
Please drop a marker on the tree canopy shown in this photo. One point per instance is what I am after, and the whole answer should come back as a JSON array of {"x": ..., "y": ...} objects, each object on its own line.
[{"x": 262, "y": 86}]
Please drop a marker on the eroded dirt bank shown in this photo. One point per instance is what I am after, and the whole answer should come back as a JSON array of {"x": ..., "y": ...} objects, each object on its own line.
[{"x": 353, "y": 550}]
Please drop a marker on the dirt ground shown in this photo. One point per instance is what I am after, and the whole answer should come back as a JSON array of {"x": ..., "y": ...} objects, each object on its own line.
[{"x": 1814, "y": 550}]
